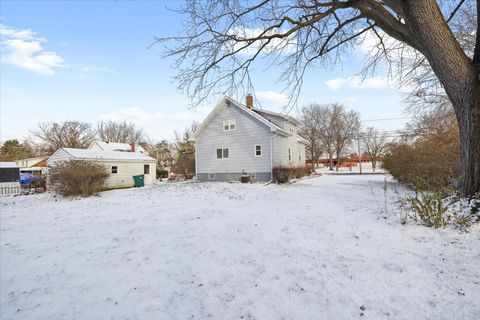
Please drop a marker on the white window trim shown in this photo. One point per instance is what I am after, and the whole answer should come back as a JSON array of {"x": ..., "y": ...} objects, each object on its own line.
[
  {"x": 255, "y": 150},
  {"x": 289, "y": 155},
  {"x": 211, "y": 176},
  {"x": 229, "y": 123},
  {"x": 222, "y": 158}
]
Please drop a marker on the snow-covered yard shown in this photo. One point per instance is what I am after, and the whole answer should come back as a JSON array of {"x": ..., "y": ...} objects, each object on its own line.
[{"x": 317, "y": 249}]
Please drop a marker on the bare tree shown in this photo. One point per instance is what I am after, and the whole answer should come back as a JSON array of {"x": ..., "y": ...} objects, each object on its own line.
[
  {"x": 346, "y": 125},
  {"x": 119, "y": 131},
  {"x": 309, "y": 130},
  {"x": 376, "y": 144},
  {"x": 223, "y": 38},
  {"x": 326, "y": 131},
  {"x": 68, "y": 134}
]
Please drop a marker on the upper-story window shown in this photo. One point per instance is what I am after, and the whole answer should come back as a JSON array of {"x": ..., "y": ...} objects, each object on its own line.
[
  {"x": 229, "y": 125},
  {"x": 290, "y": 127}
]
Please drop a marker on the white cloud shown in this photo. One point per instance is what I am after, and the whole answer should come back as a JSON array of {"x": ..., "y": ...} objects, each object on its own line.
[
  {"x": 274, "y": 97},
  {"x": 158, "y": 125},
  {"x": 23, "y": 48},
  {"x": 358, "y": 83},
  {"x": 335, "y": 84}
]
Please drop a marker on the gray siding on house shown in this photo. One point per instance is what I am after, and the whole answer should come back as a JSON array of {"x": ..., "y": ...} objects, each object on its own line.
[
  {"x": 234, "y": 176},
  {"x": 240, "y": 142},
  {"x": 280, "y": 151}
]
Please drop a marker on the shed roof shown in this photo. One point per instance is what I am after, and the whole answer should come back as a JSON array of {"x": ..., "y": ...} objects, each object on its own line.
[
  {"x": 117, "y": 146},
  {"x": 8, "y": 165},
  {"x": 106, "y": 155}
]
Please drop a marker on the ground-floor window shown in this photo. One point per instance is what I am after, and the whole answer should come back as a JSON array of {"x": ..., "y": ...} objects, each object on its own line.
[
  {"x": 146, "y": 169},
  {"x": 253, "y": 175},
  {"x": 258, "y": 150},
  {"x": 222, "y": 153},
  {"x": 211, "y": 176},
  {"x": 114, "y": 169},
  {"x": 289, "y": 155}
]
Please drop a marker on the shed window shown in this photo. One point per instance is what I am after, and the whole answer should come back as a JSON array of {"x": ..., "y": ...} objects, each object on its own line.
[
  {"x": 229, "y": 125},
  {"x": 222, "y": 153},
  {"x": 114, "y": 169},
  {"x": 211, "y": 176},
  {"x": 258, "y": 150},
  {"x": 146, "y": 169}
]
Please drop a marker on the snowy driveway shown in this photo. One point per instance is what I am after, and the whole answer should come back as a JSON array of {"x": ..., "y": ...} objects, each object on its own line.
[{"x": 318, "y": 249}]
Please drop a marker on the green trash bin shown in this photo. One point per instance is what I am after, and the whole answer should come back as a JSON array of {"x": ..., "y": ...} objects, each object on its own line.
[{"x": 139, "y": 180}]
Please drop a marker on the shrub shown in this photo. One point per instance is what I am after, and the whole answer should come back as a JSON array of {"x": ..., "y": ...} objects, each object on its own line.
[
  {"x": 77, "y": 178},
  {"x": 433, "y": 156},
  {"x": 283, "y": 174},
  {"x": 429, "y": 208}
]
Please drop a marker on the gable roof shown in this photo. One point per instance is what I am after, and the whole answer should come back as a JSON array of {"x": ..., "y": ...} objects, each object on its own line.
[
  {"x": 227, "y": 100},
  {"x": 104, "y": 155},
  {"x": 255, "y": 113},
  {"x": 117, "y": 146},
  {"x": 285, "y": 117}
]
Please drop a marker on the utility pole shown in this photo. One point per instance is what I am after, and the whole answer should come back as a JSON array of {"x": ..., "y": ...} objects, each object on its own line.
[{"x": 359, "y": 152}]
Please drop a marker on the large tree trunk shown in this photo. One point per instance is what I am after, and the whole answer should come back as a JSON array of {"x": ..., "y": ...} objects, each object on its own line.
[
  {"x": 468, "y": 117},
  {"x": 458, "y": 75}
]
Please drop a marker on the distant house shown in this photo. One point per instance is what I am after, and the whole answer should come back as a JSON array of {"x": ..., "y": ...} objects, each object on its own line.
[
  {"x": 9, "y": 178},
  {"x": 121, "y": 166},
  {"x": 34, "y": 166},
  {"x": 238, "y": 139},
  {"x": 115, "y": 146}
]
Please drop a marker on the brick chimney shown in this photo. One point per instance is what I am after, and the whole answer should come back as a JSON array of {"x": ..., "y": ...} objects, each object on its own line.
[
  {"x": 249, "y": 101},
  {"x": 132, "y": 146}
]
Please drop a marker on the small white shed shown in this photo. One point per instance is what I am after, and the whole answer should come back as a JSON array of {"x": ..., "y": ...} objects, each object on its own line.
[{"x": 121, "y": 166}]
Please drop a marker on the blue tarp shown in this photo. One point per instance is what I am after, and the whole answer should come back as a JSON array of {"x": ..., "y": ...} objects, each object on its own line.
[{"x": 25, "y": 178}]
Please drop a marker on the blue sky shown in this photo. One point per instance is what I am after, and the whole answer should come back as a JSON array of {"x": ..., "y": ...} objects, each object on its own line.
[{"x": 89, "y": 60}]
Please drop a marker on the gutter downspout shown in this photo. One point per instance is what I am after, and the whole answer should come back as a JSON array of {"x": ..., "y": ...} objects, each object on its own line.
[
  {"x": 196, "y": 160},
  {"x": 271, "y": 157}
]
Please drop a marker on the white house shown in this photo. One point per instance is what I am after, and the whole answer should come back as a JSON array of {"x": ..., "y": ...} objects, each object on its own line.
[
  {"x": 238, "y": 139},
  {"x": 116, "y": 146},
  {"x": 121, "y": 166},
  {"x": 35, "y": 166}
]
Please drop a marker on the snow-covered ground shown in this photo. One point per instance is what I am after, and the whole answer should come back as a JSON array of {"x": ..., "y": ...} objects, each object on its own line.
[{"x": 317, "y": 249}]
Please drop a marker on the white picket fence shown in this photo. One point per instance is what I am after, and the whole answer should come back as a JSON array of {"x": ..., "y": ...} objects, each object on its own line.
[{"x": 10, "y": 190}]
